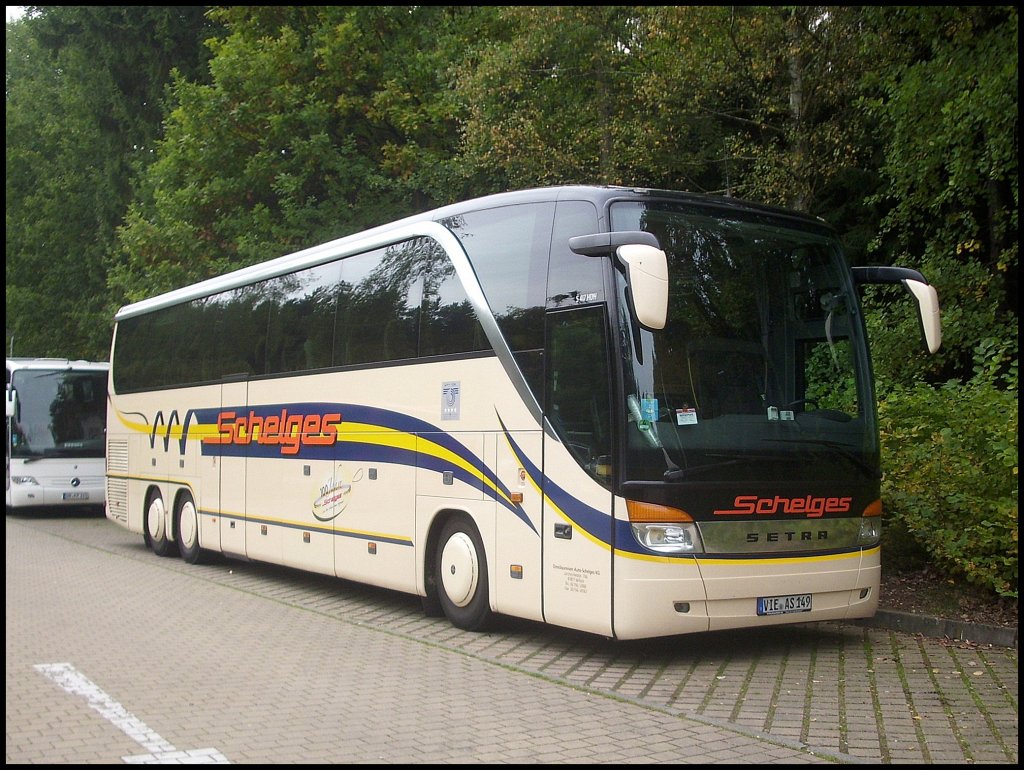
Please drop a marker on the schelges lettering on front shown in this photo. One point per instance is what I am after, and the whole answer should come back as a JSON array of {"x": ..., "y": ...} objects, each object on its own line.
[{"x": 809, "y": 506}]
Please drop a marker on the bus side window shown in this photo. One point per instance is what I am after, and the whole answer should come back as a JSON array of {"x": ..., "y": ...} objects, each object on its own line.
[
  {"x": 508, "y": 248},
  {"x": 573, "y": 278},
  {"x": 577, "y": 397}
]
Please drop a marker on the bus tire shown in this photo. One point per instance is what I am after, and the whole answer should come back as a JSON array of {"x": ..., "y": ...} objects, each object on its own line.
[
  {"x": 155, "y": 525},
  {"x": 461, "y": 575},
  {"x": 186, "y": 528},
  {"x": 431, "y": 602},
  {"x": 432, "y": 606}
]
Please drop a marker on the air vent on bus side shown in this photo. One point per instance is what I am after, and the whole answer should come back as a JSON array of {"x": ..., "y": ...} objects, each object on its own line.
[{"x": 117, "y": 456}]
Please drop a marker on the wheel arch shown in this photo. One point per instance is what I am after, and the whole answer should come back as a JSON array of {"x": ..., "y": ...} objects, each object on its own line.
[{"x": 429, "y": 550}]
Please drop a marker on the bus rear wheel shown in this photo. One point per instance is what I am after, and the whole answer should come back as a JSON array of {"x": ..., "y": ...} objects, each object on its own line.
[
  {"x": 186, "y": 525},
  {"x": 156, "y": 526},
  {"x": 461, "y": 575}
]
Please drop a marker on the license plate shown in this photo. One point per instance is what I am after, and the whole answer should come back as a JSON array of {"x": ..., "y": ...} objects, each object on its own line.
[
  {"x": 781, "y": 605},
  {"x": 76, "y": 495}
]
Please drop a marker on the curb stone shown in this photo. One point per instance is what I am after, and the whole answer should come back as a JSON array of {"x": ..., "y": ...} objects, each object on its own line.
[{"x": 942, "y": 628}]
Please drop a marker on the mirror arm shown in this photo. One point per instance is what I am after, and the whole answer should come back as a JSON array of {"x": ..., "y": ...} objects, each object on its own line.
[
  {"x": 920, "y": 289},
  {"x": 605, "y": 244}
]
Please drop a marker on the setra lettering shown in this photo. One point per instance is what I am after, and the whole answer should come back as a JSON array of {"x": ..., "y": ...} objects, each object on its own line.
[{"x": 787, "y": 537}]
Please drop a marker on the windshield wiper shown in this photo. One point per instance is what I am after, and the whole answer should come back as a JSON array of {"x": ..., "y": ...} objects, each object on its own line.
[{"x": 678, "y": 474}]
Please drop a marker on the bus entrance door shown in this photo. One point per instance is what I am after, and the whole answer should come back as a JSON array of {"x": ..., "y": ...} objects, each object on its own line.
[{"x": 577, "y": 521}]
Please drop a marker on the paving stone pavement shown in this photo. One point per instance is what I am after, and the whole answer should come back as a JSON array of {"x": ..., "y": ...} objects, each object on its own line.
[{"x": 115, "y": 655}]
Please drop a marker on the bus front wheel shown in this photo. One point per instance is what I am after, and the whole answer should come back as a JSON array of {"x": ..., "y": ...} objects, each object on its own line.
[
  {"x": 461, "y": 575},
  {"x": 186, "y": 525},
  {"x": 156, "y": 526}
]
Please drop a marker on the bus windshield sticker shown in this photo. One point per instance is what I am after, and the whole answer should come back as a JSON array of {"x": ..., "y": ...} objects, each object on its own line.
[
  {"x": 649, "y": 409},
  {"x": 686, "y": 416}
]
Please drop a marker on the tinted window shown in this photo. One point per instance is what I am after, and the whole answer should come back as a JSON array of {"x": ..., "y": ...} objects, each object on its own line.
[
  {"x": 378, "y": 304},
  {"x": 390, "y": 304},
  {"x": 301, "y": 320},
  {"x": 578, "y": 380},
  {"x": 508, "y": 247},
  {"x": 574, "y": 279}
]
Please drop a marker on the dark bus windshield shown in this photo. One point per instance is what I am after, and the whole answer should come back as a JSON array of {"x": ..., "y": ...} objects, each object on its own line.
[
  {"x": 761, "y": 371},
  {"x": 60, "y": 413}
]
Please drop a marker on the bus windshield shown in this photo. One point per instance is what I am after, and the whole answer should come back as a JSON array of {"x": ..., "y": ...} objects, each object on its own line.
[
  {"x": 60, "y": 413},
  {"x": 761, "y": 368}
]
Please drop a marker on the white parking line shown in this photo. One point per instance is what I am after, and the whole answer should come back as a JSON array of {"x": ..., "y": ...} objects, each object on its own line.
[{"x": 160, "y": 752}]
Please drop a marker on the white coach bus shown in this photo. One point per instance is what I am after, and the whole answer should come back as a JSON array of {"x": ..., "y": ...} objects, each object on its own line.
[
  {"x": 56, "y": 418},
  {"x": 630, "y": 412}
]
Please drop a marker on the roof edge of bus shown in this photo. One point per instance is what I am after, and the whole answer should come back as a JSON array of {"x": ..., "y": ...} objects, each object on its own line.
[
  {"x": 25, "y": 362},
  {"x": 598, "y": 194}
]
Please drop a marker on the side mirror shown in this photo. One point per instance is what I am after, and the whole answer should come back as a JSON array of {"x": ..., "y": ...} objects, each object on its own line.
[
  {"x": 11, "y": 402},
  {"x": 647, "y": 276},
  {"x": 646, "y": 270},
  {"x": 925, "y": 294},
  {"x": 928, "y": 309}
]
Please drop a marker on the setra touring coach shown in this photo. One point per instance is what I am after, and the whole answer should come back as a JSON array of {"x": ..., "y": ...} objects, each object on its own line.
[{"x": 631, "y": 412}]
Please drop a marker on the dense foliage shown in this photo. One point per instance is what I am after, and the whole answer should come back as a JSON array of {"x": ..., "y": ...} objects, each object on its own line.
[
  {"x": 954, "y": 487},
  {"x": 151, "y": 146},
  {"x": 85, "y": 89}
]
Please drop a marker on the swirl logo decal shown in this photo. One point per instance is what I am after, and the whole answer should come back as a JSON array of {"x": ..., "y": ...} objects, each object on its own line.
[{"x": 334, "y": 495}]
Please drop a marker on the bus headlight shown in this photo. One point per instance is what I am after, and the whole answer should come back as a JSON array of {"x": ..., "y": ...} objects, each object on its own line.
[
  {"x": 870, "y": 531},
  {"x": 871, "y": 524},
  {"x": 28, "y": 480},
  {"x": 663, "y": 529},
  {"x": 667, "y": 538}
]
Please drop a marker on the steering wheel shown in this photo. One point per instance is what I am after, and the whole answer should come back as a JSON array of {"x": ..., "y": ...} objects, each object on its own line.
[{"x": 825, "y": 414}]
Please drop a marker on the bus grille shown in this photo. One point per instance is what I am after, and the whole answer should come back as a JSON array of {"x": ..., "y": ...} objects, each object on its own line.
[{"x": 117, "y": 456}]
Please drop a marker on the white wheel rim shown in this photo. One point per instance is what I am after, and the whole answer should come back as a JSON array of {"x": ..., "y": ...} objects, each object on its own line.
[
  {"x": 155, "y": 518},
  {"x": 188, "y": 524},
  {"x": 460, "y": 569}
]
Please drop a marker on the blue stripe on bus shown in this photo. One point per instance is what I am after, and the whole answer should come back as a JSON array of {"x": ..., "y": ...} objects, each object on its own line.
[
  {"x": 351, "y": 448},
  {"x": 591, "y": 520}
]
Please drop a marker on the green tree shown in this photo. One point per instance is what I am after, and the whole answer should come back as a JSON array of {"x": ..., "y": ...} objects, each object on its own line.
[
  {"x": 946, "y": 105},
  {"x": 754, "y": 101},
  {"x": 84, "y": 88},
  {"x": 318, "y": 121},
  {"x": 57, "y": 199},
  {"x": 548, "y": 98},
  {"x": 944, "y": 96},
  {"x": 898, "y": 125}
]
